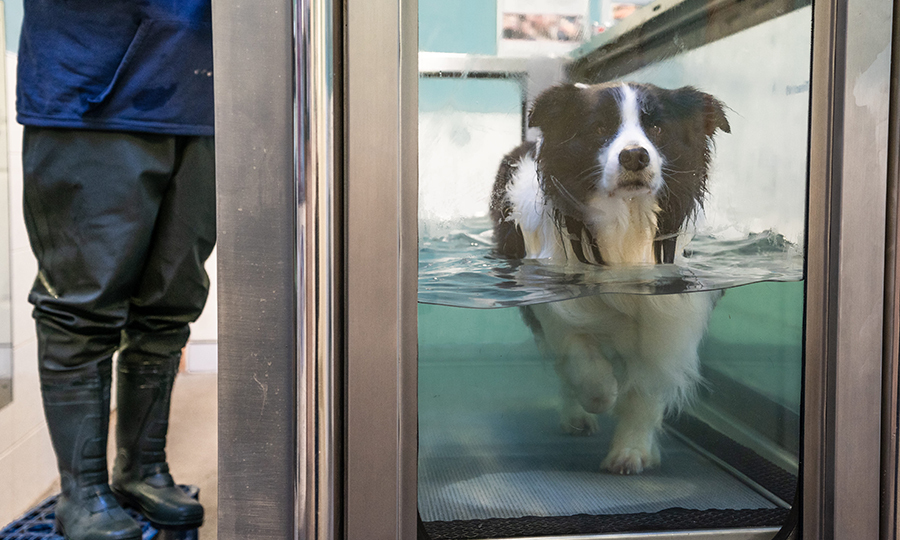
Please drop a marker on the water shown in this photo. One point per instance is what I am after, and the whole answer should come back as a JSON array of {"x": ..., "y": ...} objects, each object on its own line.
[
  {"x": 489, "y": 440},
  {"x": 755, "y": 334},
  {"x": 459, "y": 269}
]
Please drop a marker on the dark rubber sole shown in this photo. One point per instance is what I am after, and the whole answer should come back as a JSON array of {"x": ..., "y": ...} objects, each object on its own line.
[{"x": 127, "y": 502}]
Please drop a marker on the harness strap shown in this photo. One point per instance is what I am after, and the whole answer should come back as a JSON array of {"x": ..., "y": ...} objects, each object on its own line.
[
  {"x": 577, "y": 233},
  {"x": 663, "y": 248}
]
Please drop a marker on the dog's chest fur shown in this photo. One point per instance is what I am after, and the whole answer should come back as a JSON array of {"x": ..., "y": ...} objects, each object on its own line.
[{"x": 622, "y": 229}]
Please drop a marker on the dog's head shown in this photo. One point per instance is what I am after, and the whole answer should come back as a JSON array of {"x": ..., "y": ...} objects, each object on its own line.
[{"x": 627, "y": 140}]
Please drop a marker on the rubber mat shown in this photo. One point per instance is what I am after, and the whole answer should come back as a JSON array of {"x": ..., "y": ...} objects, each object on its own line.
[{"x": 39, "y": 523}]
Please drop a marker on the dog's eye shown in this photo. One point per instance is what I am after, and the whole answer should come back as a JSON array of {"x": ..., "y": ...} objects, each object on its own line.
[{"x": 655, "y": 131}]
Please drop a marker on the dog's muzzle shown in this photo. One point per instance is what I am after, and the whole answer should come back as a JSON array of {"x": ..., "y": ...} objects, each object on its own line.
[{"x": 634, "y": 158}]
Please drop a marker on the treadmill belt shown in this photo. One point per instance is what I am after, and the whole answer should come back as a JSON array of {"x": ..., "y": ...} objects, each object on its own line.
[{"x": 493, "y": 463}]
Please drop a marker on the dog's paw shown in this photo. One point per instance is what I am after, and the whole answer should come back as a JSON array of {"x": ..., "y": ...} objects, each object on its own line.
[
  {"x": 630, "y": 460},
  {"x": 578, "y": 422}
]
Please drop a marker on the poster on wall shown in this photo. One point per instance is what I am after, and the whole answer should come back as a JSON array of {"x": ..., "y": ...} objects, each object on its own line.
[{"x": 541, "y": 27}]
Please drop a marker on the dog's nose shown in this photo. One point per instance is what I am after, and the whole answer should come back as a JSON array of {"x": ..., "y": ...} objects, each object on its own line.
[{"x": 634, "y": 158}]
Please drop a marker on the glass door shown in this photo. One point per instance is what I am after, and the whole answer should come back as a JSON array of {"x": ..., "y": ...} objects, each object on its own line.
[{"x": 611, "y": 259}]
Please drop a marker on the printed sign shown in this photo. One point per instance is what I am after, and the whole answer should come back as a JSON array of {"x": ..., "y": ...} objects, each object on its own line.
[{"x": 541, "y": 27}]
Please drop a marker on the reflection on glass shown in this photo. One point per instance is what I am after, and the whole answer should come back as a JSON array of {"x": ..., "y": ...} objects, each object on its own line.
[{"x": 611, "y": 296}]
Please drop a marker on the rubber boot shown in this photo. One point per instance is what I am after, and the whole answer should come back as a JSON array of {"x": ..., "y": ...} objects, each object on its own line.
[
  {"x": 76, "y": 405},
  {"x": 141, "y": 476}
]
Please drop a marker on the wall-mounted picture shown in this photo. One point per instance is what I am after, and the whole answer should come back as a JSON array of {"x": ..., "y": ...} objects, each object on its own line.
[
  {"x": 534, "y": 27},
  {"x": 541, "y": 27}
]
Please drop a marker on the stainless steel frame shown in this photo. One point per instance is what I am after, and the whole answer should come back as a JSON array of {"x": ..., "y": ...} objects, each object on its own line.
[
  {"x": 891, "y": 352},
  {"x": 257, "y": 213},
  {"x": 847, "y": 195},
  {"x": 295, "y": 330},
  {"x": 381, "y": 121},
  {"x": 320, "y": 252}
]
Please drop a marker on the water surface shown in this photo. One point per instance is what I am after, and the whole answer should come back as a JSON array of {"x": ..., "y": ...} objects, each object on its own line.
[{"x": 460, "y": 269}]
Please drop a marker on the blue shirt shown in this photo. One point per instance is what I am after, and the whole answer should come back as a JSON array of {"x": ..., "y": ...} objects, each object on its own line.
[{"x": 132, "y": 65}]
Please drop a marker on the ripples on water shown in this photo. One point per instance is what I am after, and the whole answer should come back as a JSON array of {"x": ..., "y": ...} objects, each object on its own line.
[{"x": 459, "y": 269}]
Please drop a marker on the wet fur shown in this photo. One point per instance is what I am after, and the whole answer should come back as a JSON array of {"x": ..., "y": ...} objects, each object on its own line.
[{"x": 619, "y": 171}]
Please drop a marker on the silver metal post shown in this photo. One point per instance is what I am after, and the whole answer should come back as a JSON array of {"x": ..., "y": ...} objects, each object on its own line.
[
  {"x": 846, "y": 250},
  {"x": 257, "y": 212},
  {"x": 319, "y": 249}
]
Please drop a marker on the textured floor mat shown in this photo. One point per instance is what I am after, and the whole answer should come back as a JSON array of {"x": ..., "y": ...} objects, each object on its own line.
[{"x": 490, "y": 447}]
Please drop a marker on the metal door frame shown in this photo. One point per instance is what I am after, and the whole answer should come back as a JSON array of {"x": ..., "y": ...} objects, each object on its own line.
[
  {"x": 381, "y": 119},
  {"x": 257, "y": 254},
  {"x": 890, "y": 453},
  {"x": 299, "y": 458},
  {"x": 845, "y": 272}
]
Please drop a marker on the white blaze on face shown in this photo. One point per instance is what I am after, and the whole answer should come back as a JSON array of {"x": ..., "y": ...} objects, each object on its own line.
[
  {"x": 630, "y": 133},
  {"x": 623, "y": 216}
]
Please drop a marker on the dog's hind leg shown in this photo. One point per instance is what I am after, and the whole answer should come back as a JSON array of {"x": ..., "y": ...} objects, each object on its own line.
[
  {"x": 634, "y": 445},
  {"x": 589, "y": 385}
]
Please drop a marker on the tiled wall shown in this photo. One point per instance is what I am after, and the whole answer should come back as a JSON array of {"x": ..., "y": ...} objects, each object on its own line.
[{"x": 27, "y": 463}]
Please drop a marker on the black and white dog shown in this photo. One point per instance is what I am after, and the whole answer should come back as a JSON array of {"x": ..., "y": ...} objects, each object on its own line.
[{"x": 618, "y": 172}]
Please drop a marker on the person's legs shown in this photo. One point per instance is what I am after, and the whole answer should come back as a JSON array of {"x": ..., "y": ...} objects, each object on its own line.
[
  {"x": 91, "y": 202},
  {"x": 172, "y": 293}
]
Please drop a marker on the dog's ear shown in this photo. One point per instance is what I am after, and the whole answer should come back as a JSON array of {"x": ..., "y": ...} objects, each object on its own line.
[
  {"x": 714, "y": 115},
  {"x": 554, "y": 105},
  {"x": 692, "y": 101}
]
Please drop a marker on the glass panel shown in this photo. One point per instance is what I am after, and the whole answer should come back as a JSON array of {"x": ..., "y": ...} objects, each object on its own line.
[{"x": 611, "y": 258}]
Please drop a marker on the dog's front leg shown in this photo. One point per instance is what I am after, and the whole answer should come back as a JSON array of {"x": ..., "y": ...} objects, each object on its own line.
[
  {"x": 589, "y": 385},
  {"x": 634, "y": 445}
]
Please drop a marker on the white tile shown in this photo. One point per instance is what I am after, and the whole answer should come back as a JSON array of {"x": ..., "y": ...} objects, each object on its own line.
[
  {"x": 25, "y": 413},
  {"x": 24, "y": 269},
  {"x": 202, "y": 357},
  {"x": 27, "y": 471},
  {"x": 205, "y": 329},
  {"x": 5, "y": 362},
  {"x": 18, "y": 235},
  {"x": 5, "y": 314},
  {"x": 27, "y": 463},
  {"x": 13, "y": 128}
]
